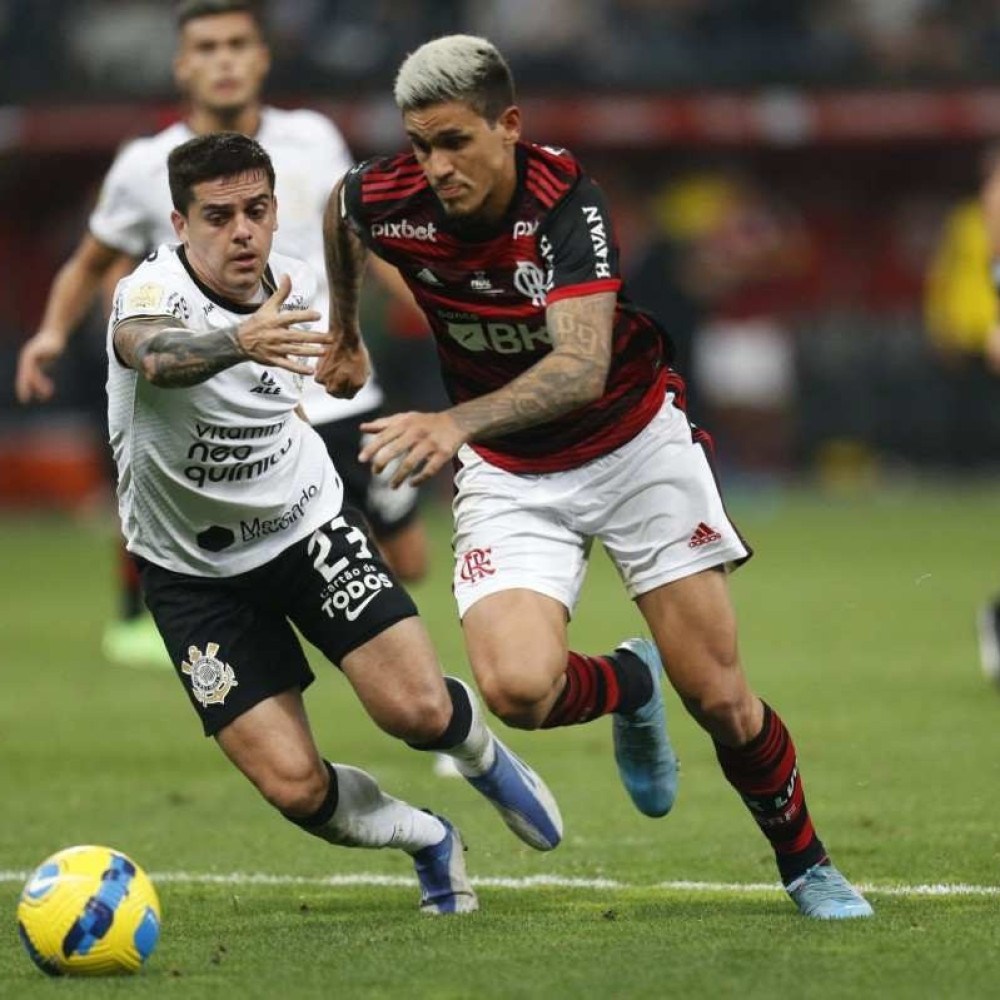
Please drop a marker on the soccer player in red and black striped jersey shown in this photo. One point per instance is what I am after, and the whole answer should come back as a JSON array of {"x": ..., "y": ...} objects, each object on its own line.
[{"x": 567, "y": 425}]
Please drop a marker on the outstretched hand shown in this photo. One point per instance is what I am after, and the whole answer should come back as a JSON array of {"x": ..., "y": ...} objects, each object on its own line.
[
  {"x": 267, "y": 337},
  {"x": 421, "y": 443},
  {"x": 32, "y": 381}
]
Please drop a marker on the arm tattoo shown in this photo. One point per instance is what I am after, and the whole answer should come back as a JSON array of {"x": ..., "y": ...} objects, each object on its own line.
[
  {"x": 173, "y": 356},
  {"x": 345, "y": 259},
  {"x": 572, "y": 375}
]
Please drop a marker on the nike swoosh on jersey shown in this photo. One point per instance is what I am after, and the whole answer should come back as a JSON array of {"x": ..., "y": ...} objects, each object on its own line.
[{"x": 351, "y": 614}]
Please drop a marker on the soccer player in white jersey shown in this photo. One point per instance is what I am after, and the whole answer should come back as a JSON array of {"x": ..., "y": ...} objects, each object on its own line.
[
  {"x": 221, "y": 64},
  {"x": 234, "y": 512}
]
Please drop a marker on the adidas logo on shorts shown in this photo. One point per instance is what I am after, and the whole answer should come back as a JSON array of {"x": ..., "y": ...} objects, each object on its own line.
[{"x": 703, "y": 535}]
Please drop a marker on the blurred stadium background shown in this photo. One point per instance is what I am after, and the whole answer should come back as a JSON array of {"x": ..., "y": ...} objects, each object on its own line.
[{"x": 782, "y": 172}]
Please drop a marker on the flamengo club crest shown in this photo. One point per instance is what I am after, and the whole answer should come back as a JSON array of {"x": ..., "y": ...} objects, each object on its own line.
[
  {"x": 529, "y": 280},
  {"x": 211, "y": 679},
  {"x": 477, "y": 564}
]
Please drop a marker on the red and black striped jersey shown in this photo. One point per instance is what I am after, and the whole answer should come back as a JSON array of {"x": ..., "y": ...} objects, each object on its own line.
[{"x": 485, "y": 292}]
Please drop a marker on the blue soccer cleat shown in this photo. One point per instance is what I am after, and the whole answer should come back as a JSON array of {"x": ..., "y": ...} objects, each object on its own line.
[
  {"x": 646, "y": 761},
  {"x": 444, "y": 885},
  {"x": 824, "y": 894},
  {"x": 522, "y": 799}
]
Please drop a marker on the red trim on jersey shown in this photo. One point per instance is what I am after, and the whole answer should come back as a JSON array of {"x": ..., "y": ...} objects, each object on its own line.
[
  {"x": 403, "y": 170},
  {"x": 675, "y": 384},
  {"x": 391, "y": 194},
  {"x": 558, "y": 184},
  {"x": 562, "y": 160},
  {"x": 424, "y": 294},
  {"x": 543, "y": 193},
  {"x": 584, "y": 288},
  {"x": 391, "y": 182},
  {"x": 586, "y": 451},
  {"x": 542, "y": 186},
  {"x": 401, "y": 164}
]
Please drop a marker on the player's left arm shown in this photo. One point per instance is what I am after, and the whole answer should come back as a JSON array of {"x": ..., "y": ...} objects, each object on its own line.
[
  {"x": 172, "y": 356},
  {"x": 573, "y": 374},
  {"x": 345, "y": 367}
]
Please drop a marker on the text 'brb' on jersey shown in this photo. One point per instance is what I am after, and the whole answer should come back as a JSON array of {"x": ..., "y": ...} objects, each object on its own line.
[
  {"x": 485, "y": 295},
  {"x": 217, "y": 478}
]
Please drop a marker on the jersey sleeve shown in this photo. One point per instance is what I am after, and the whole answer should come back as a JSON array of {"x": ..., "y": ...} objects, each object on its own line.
[
  {"x": 577, "y": 244},
  {"x": 351, "y": 210},
  {"x": 119, "y": 219},
  {"x": 145, "y": 293}
]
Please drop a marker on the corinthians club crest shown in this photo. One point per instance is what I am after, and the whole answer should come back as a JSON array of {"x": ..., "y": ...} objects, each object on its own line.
[{"x": 211, "y": 679}]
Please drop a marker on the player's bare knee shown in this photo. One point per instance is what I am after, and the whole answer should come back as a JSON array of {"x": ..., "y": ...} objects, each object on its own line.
[
  {"x": 725, "y": 711},
  {"x": 420, "y": 717},
  {"x": 295, "y": 788},
  {"x": 517, "y": 702}
]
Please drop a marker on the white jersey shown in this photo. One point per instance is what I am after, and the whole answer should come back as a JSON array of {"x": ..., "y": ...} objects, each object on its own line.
[
  {"x": 218, "y": 478},
  {"x": 309, "y": 156}
]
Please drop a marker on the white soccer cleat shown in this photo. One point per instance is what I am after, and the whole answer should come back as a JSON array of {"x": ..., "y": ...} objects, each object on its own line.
[{"x": 522, "y": 799}]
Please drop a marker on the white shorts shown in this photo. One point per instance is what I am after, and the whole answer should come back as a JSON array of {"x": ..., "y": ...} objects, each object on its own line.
[{"x": 653, "y": 503}]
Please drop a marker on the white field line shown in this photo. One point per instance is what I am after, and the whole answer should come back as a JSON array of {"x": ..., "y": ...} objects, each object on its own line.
[{"x": 531, "y": 882}]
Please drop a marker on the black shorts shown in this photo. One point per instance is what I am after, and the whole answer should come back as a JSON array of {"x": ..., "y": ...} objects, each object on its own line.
[
  {"x": 386, "y": 510},
  {"x": 230, "y": 638}
]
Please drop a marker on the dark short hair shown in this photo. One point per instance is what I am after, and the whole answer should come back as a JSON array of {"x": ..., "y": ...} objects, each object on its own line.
[
  {"x": 191, "y": 10},
  {"x": 207, "y": 157}
]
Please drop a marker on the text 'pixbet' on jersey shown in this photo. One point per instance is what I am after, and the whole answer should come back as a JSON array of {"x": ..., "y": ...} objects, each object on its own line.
[{"x": 404, "y": 230}]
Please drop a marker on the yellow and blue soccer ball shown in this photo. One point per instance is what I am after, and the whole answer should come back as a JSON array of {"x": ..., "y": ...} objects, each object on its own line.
[{"x": 89, "y": 911}]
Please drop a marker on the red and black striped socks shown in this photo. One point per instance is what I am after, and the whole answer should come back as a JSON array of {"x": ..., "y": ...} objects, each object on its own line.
[
  {"x": 598, "y": 685},
  {"x": 766, "y": 774}
]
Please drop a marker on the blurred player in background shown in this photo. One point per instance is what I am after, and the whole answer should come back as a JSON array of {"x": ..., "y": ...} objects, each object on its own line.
[
  {"x": 234, "y": 513},
  {"x": 221, "y": 63},
  {"x": 963, "y": 321},
  {"x": 567, "y": 425}
]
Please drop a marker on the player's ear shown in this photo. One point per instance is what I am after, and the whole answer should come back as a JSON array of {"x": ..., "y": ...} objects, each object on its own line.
[
  {"x": 510, "y": 122},
  {"x": 179, "y": 223}
]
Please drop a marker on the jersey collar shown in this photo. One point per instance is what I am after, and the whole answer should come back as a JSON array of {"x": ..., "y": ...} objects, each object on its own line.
[{"x": 267, "y": 280}]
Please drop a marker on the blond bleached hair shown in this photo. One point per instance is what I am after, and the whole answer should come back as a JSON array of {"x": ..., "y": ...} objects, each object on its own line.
[{"x": 456, "y": 68}]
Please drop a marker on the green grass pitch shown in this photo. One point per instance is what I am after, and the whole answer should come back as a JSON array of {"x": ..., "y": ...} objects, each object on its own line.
[{"x": 856, "y": 624}]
